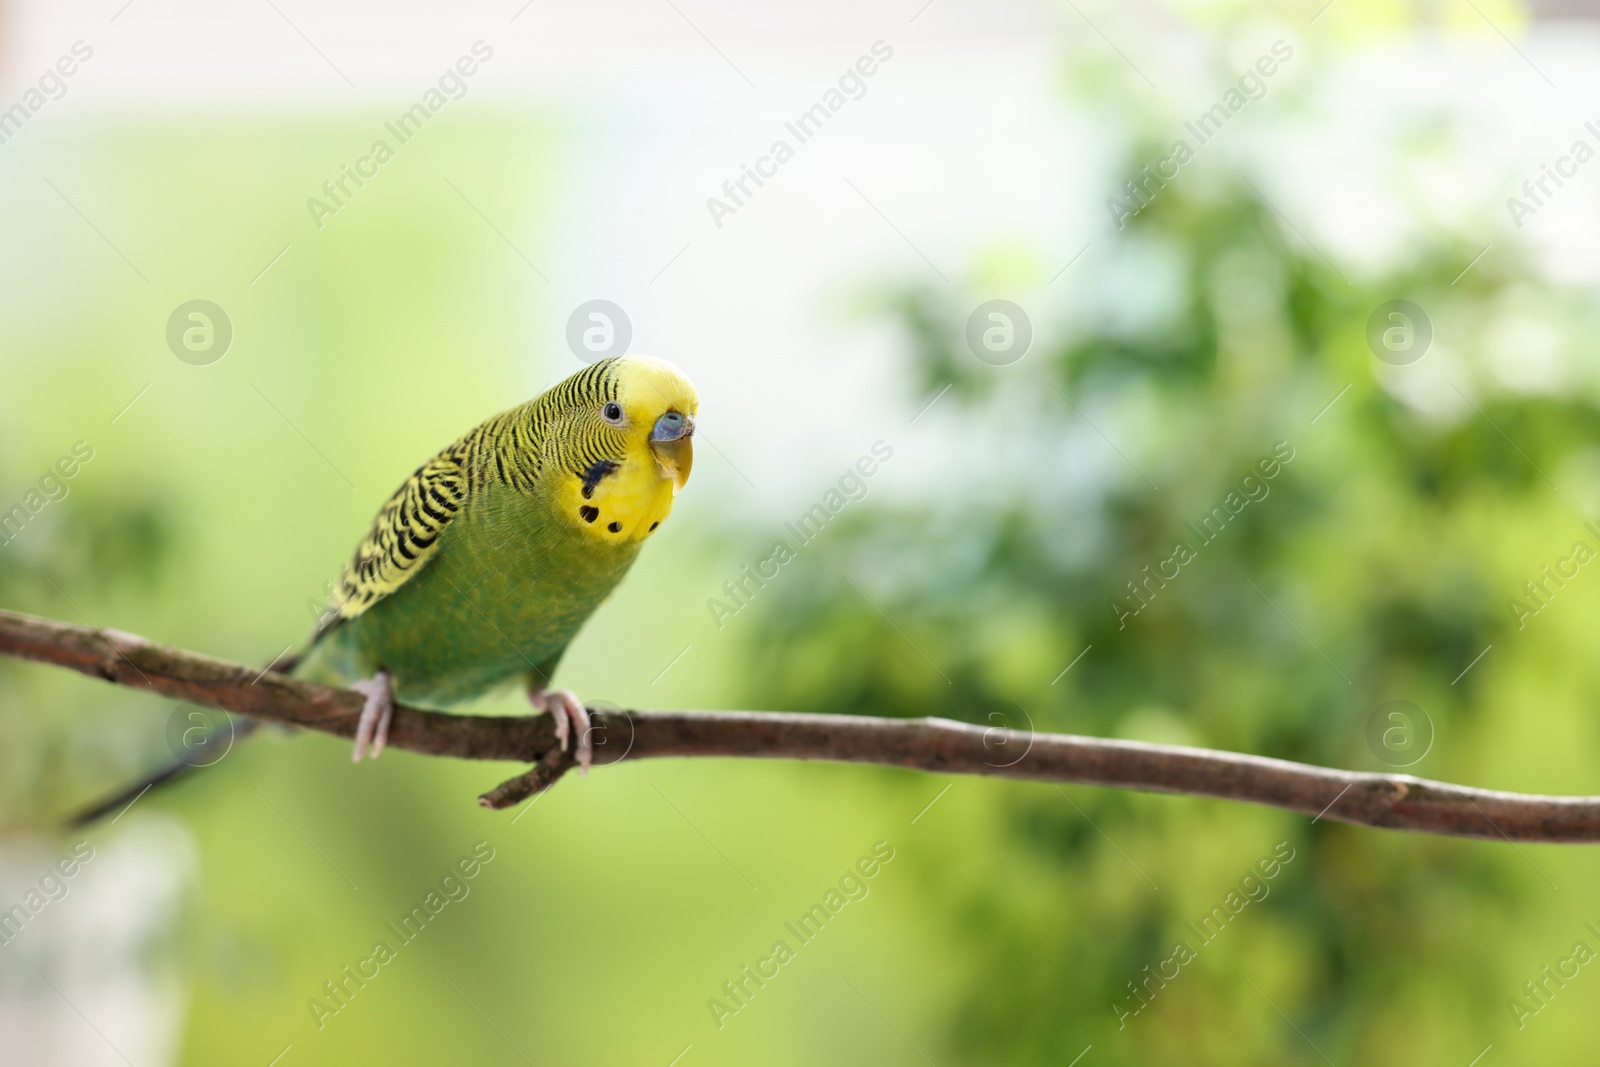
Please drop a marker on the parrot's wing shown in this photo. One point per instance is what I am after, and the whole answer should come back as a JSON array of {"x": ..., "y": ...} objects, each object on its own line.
[{"x": 405, "y": 535}]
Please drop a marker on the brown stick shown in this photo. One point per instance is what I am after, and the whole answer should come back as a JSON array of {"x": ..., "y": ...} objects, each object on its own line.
[{"x": 1398, "y": 802}]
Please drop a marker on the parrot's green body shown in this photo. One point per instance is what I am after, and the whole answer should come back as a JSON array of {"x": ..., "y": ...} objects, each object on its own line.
[
  {"x": 483, "y": 566},
  {"x": 506, "y": 595}
]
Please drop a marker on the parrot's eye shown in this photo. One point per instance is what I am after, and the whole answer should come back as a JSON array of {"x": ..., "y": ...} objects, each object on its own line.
[{"x": 612, "y": 413}]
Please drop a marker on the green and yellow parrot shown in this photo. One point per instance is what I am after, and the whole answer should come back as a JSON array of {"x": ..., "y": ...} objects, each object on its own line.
[{"x": 481, "y": 568}]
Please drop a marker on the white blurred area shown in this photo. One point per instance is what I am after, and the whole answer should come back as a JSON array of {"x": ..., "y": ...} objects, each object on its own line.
[
  {"x": 957, "y": 142},
  {"x": 970, "y": 142},
  {"x": 86, "y": 980}
]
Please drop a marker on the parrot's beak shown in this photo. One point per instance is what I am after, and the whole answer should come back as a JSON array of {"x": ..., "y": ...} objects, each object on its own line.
[{"x": 672, "y": 441}]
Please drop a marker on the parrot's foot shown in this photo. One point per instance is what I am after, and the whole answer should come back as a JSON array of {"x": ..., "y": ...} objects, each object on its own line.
[
  {"x": 568, "y": 712},
  {"x": 373, "y": 728}
]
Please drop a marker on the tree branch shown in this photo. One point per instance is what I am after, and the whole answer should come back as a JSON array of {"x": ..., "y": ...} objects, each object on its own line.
[{"x": 1399, "y": 802}]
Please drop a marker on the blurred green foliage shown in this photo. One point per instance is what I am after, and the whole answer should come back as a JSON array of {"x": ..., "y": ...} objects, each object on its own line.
[{"x": 1377, "y": 565}]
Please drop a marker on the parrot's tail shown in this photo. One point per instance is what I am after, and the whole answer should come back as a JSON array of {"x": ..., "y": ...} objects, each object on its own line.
[{"x": 178, "y": 768}]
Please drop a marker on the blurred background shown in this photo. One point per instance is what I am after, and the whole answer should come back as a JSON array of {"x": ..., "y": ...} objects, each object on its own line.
[{"x": 1405, "y": 590}]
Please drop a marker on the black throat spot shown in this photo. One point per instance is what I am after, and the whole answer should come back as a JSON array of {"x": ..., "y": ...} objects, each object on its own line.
[{"x": 599, "y": 469}]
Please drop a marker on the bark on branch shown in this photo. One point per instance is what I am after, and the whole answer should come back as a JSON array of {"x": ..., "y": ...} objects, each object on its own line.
[{"x": 1398, "y": 802}]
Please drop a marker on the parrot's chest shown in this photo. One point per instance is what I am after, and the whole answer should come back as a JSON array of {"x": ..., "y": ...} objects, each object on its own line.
[{"x": 509, "y": 589}]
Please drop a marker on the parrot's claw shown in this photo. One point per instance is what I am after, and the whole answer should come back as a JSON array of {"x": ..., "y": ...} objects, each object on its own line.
[
  {"x": 568, "y": 712},
  {"x": 373, "y": 728}
]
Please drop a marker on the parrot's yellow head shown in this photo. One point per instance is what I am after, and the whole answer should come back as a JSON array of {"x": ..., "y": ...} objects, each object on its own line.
[{"x": 626, "y": 446}]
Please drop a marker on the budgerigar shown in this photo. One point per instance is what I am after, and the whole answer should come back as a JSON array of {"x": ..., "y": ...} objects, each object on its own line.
[{"x": 481, "y": 568}]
